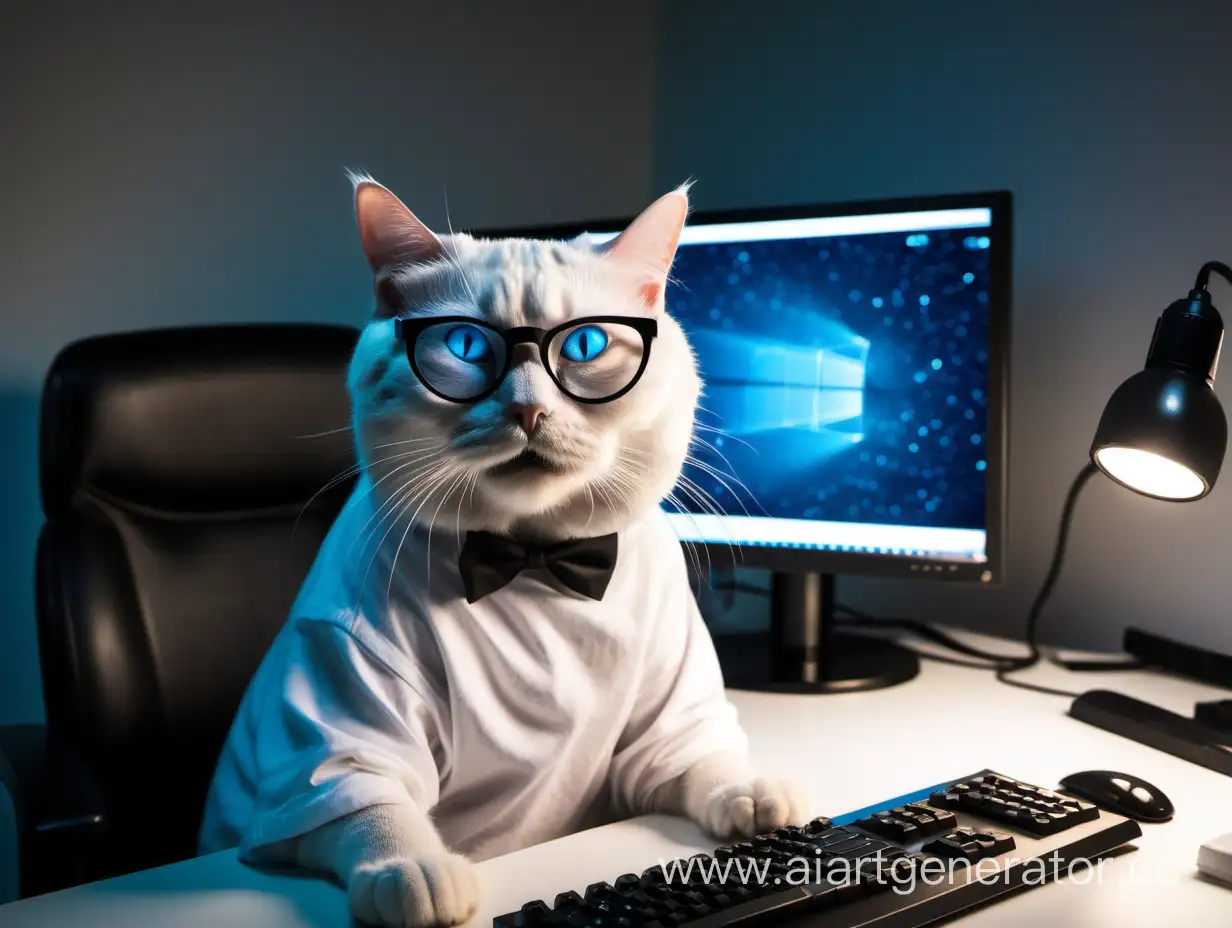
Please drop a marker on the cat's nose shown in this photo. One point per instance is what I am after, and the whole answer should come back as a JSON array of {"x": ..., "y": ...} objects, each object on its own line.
[{"x": 527, "y": 416}]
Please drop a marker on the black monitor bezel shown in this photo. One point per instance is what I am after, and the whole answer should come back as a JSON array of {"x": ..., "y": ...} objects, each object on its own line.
[{"x": 797, "y": 560}]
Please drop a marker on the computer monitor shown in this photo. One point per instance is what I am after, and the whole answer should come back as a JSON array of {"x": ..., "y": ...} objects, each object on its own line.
[{"x": 855, "y": 361}]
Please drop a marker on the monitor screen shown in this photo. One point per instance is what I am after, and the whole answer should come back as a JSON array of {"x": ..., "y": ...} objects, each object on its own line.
[{"x": 846, "y": 362}]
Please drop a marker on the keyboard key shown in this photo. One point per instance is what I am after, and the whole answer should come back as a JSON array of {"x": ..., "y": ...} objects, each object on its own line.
[
  {"x": 817, "y": 826},
  {"x": 530, "y": 914},
  {"x": 653, "y": 876},
  {"x": 598, "y": 891},
  {"x": 896, "y": 829},
  {"x": 970, "y": 845},
  {"x": 627, "y": 882},
  {"x": 856, "y": 847},
  {"x": 833, "y": 836},
  {"x": 949, "y": 799}
]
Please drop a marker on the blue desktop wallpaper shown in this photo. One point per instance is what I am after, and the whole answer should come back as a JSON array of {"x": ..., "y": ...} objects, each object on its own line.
[{"x": 846, "y": 377}]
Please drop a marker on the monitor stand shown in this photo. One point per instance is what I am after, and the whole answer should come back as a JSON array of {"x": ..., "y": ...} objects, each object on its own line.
[{"x": 804, "y": 652}]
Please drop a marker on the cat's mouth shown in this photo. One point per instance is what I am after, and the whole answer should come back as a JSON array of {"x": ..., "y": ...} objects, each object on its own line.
[{"x": 527, "y": 463}]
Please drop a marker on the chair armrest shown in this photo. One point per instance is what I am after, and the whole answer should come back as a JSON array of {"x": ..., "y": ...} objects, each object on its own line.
[{"x": 59, "y": 808}]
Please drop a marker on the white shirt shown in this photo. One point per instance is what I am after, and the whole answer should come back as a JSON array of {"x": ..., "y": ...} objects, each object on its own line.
[{"x": 531, "y": 714}]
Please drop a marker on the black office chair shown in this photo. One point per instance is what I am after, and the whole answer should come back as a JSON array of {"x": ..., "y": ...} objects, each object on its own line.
[{"x": 177, "y": 469}]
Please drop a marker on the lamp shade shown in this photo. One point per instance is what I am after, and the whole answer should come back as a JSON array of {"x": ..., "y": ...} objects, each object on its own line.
[{"x": 1164, "y": 433}]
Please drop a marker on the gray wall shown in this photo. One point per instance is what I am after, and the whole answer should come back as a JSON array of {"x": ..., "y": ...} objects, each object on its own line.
[
  {"x": 1108, "y": 122},
  {"x": 183, "y": 163}
]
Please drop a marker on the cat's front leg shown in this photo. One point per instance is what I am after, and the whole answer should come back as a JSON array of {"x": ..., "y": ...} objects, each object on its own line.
[
  {"x": 397, "y": 871},
  {"x": 723, "y": 795}
]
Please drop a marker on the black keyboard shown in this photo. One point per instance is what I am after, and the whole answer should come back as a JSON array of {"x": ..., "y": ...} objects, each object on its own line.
[{"x": 906, "y": 863}]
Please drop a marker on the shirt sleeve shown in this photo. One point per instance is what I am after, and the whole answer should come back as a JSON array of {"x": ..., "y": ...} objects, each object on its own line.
[
  {"x": 681, "y": 714},
  {"x": 338, "y": 731}
]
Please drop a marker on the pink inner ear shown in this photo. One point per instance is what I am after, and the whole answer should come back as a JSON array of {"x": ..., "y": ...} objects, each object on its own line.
[
  {"x": 651, "y": 293},
  {"x": 649, "y": 244},
  {"x": 389, "y": 232}
]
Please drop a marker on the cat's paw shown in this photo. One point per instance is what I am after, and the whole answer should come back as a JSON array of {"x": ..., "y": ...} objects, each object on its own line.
[
  {"x": 756, "y": 807},
  {"x": 432, "y": 891}
]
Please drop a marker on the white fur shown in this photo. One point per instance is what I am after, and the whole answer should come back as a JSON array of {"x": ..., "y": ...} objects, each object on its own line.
[{"x": 431, "y": 460}]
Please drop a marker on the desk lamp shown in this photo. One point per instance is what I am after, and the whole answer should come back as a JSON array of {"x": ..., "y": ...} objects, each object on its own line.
[{"x": 1163, "y": 433}]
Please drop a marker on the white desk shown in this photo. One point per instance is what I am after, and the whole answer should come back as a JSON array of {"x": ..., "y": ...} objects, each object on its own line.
[{"x": 853, "y": 750}]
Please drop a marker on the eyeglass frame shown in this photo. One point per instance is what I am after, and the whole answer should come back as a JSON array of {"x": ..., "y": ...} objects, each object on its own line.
[{"x": 407, "y": 329}]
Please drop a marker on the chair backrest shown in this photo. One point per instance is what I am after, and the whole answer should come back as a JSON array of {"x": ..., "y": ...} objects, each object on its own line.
[{"x": 179, "y": 472}]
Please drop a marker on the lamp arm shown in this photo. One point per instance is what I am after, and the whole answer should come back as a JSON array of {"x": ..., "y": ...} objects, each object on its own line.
[{"x": 1217, "y": 267}]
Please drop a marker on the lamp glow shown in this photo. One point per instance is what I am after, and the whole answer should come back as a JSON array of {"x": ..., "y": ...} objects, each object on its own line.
[{"x": 1149, "y": 473}]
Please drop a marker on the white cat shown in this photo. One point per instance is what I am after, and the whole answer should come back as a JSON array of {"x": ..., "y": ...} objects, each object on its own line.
[{"x": 397, "y": 731}]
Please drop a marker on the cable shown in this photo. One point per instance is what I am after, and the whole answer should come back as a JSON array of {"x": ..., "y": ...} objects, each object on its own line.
[
  {"x": 1054, "y": 569},
  {"x": 1204, "y": 275},
  {"x": 881, "y": 624},
  {"x": 927, "y": 631},
  {"x": 1033, "y": 687},
  {"x": 1045, "y": 590}
]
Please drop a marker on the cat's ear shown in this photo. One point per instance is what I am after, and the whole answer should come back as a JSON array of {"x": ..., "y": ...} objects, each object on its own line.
[
  {"x": 649, "y": 243},
  {"x": 389, "y": 232}
]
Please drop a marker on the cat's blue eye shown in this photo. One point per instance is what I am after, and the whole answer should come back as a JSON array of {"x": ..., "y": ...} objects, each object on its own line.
[
  {"x": 468, "y": 343},
  {"x": 584, "y": 343}
]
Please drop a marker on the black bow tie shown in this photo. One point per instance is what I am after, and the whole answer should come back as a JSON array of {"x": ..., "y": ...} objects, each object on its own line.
[{"x": 488, "y": 562}]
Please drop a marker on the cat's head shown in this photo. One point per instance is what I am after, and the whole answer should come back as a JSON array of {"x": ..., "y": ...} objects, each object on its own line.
[{"x": 532, "y": 454}]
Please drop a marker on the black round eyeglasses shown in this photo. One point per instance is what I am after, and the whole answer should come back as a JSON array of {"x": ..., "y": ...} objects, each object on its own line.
[{"x": 595, "y": 359}]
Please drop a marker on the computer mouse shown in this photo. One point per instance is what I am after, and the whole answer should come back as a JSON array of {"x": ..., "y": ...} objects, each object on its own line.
[{"x": 1121, "y": 793}]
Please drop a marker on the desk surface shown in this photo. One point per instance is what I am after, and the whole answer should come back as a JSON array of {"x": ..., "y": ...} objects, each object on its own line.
[{"x": 853, "y": 750}]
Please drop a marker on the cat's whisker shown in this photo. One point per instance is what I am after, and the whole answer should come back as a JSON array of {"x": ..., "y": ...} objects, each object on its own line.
[
  {"x": 727, "y": 435},
  {"x": 722, "y": 479},
  {"x": 470, "y": 496},
  {"x": 464, "y": 500},
  {"x": 590, "y": 494},
  {"x": 325, "y": 434},
  {"x": 391, "y": 502},
  {"x": 722, "y": 476},
  {"x": 460, "y": 476},
  {"x": 417, "y": 493},
  {"x": 343, "y": 477},
  {"x": 601, "y": 487},
  {"x": 423, "y": 459},
  {"x": 424, "y": 465},
  {"x": 403, "y": 491},
  {"x": 408, "y": 441},
  {"x": 711, "y": 506},
  {"x": 709, "y": 446},
  {"x": 450, "y": 470},
  {"x": 453, "y": 258},
  {"x": 690, "y": 546},
  {"x": 389, "y": 508}
]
